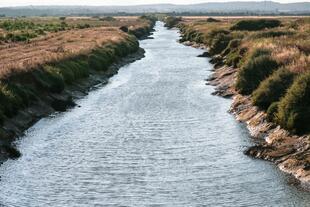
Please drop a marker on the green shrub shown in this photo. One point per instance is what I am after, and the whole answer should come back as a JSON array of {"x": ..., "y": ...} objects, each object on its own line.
[
  {"x": 273, "y": 88},
  {"x": 50, "y": 79},
  {"x": 260, "y": 52},
  {"x": 256, "y": 24},
  {"x": 66, "y": 72},
  {"x": 74, "y": 69},
  {"x": 256, "y": 53},
  {"x": 10, "y": 102},
  {"x": 82, "y": 26},
  {"x": 140, "y": 32},
  {"x": 19, "y": 37},
  {"x": 97, "y": 62},
  {"x": 172, "y": 21},
  {"x": 211, "y": 35},
  {"x": 232, "y": 53},
  {"x": 101, "y": 59},
  {"x": 210, "y": 19},
  {"x": 253, "y": 72},
  {"x": 108, "y": 18},
  {"x": 149, "y": 17},
  {"x": 24, "y": 92},
  {"x": 124, "y": 29},
  {"x": 219, "y": 43},
  {"x": 233, "y": 58},
  {"x": 294, "y": 109},
  {"x": 272, "y": 34},
  {"x": 272, "y": 111}
]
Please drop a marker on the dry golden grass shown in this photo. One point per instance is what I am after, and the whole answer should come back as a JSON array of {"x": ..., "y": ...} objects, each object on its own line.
[
  {"x": 240, "y": 17},
  {"x": 53, "y": 47},
  {"x": 24, "y": 56},
  {"x": 290, "y": 50}
]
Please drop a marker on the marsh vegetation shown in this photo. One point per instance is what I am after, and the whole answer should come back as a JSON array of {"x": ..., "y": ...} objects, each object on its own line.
[
  {"x": 273, "y": 57},
  {"x": 60, "y": 52}
]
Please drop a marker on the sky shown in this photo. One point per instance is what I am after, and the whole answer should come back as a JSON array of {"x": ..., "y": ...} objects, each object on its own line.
[{"x": 115, "y": 2}]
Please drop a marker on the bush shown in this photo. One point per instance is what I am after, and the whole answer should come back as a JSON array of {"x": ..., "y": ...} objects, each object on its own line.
[
  {"x": 95, "y": 62},
  {"x": 272, "y": 34},
  {"x": 260, "y": 52},
  {"x": 210, "y": 19},
  {"x": 272, "y": 88},
  {"x": 272, "y": 111},
  {"x": 255, "y": 70},
  {"x": 211, "y": 35},
  {"x": 189, "y": 34},
  {"x": 49, "y": 78},
  {"x": 108, "y": 18},
  {"x": 19, "y": 37},
  {"x": 83, "y": 26},
  {"x": 149, "y": 17},
  {"x": 219, "y": 43},
  {"x": 233, "y": 58},
  {"x": 10, "y": 101},
  {"x": 172, "y": 21},
  {"x": 124, "y": 29},
  {"x": 256, "y": 24},
  {"x": 232, "y": 53},
  {"x": 294, "y": 109}
]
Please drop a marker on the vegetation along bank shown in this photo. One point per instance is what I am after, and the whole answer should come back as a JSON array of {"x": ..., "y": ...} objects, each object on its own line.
[
  {"x": 61, "y": 60},
  {"x": 264, "y": 64}
]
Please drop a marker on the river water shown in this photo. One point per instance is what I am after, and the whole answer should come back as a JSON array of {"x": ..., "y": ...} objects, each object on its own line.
[{"x": 154, "y": 136}]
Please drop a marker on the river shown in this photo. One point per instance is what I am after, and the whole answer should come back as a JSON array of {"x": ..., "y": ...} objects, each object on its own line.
[{"x": 153, "y": 136}]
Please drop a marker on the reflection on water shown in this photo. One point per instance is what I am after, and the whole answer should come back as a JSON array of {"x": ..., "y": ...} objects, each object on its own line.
[{"x": 154, "y": 136}]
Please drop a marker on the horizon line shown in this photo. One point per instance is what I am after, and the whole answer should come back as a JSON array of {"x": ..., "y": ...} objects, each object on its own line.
[{"x": 150, "y": 4}]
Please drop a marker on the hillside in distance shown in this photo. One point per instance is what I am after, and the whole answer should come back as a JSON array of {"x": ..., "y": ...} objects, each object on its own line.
[{"x": 259, "y": 7}]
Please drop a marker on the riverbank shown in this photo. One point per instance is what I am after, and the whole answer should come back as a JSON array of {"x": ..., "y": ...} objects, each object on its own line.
[
  {"x": 291, "y": 153},
  {"x": 53, "y": 83}
]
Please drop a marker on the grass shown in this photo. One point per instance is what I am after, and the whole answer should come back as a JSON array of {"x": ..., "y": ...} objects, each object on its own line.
[
  {"x": 294, "y": 108},
  {"x": 16, "y": 93},
  {"x": 46, "y": 65},
  {"x": 258, "y": 47},
  {"x": 255, "y": 70},
  {"x": 25, "y": 29},
  {"x": 272, "y": 88},
  {"x": 54, "y": 47}
]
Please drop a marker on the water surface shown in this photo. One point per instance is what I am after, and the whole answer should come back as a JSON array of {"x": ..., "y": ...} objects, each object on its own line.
[{"x": 154, "y": 136}]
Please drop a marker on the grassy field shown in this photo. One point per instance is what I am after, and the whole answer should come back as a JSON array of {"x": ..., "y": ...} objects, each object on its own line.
[
  {"x": 64, "y": 52},
  {"x": 24, "y": 29},
  {"x": 273, "y": 60},
  {"x": 52, "y": 42}
]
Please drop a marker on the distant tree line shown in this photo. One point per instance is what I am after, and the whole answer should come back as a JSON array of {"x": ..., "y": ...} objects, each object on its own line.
[{"x": 10, "y": 12}]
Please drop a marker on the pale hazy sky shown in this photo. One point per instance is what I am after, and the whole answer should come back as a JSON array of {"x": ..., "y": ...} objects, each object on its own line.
[{"x": 114, "y": 2}]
